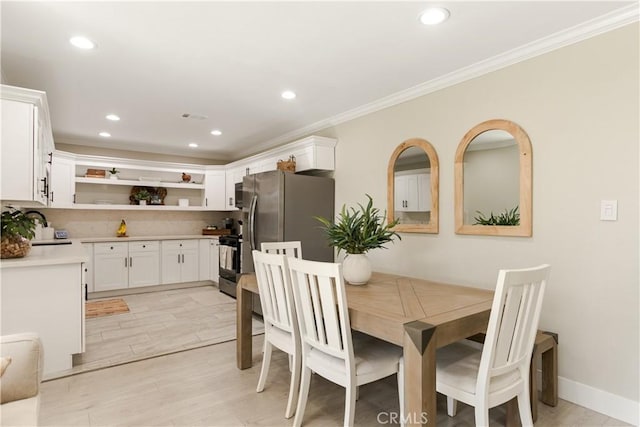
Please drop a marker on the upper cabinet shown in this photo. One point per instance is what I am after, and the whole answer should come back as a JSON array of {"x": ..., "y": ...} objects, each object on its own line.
[
  {"x": 413, "y": 176},
  {"x": 214, "y": 190},
  {"x": 62, "y": 190},
  {"x": 87, "y": 182},
  {"x": 26, "y": 146},
  {"x": 311, "y": 153},
  {"x": 493, "y": 181}
]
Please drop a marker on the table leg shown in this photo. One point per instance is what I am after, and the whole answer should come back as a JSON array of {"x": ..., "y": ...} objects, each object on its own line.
[
  {"x": 420, "y": 373},
  {"x": 550, "y": 374},
  {"x": 513, "y": 414},
  {"x": 244, "y": 341}
]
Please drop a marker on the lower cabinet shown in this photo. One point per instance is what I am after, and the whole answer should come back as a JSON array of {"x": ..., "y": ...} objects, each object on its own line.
[
  {"x": 209, "y": 259},
  {"x": 179, "y": 261},
  {"x": 122, "y": 265},
  {"x": 47, "y": 300},
  {"x": 119, "y": 265},
  {"x": 88, "y": 268}
]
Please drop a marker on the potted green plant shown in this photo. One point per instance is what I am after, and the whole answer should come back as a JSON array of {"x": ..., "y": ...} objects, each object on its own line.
[
  {"x": 17, "y": 231},
  {"x": 142, "y": 196},
  {"x": 357, "y": 231},
  {"x": 113, "y": 173}
]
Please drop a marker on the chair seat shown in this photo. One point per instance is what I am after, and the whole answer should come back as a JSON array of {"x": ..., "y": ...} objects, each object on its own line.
[
  {"x": 282, "y": 339},
  {"x": 373, "y": 358},
  {"x": 457, "y": 367}
]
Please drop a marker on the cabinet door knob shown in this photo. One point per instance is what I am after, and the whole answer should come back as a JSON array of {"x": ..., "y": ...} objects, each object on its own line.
[
  {"x": 144, "y": 246},
  {"x": 111, "y": 247}
]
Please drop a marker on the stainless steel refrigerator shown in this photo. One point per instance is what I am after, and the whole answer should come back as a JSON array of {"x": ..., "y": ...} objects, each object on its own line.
[{"x": 280, "y": 206}]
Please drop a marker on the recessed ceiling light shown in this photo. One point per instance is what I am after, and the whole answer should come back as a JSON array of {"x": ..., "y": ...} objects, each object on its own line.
[
  {"x": 104, "y": 134},
  {"x": 193, "y": 145},
  {"x": 216, "y": 132},
  {"x": 112, "y": 117},
  {"x": 82, "y": 42},
  {"x": 434, "y": 16},
  {"x": 288, "y": 94}
]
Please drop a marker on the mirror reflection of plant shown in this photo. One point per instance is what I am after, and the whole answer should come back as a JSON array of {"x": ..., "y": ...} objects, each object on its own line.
[
  {"x": 357, "y": 231},
  {"x": 508, "y": 217}
]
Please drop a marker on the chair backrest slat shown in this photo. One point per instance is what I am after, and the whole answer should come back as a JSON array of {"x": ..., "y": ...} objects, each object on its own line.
[
  {"x": 290, "y": 249},
  {"x": 320, "y": 299},
  {"x": 275, "y": 290},
  {"x": 513, "y": 322}
]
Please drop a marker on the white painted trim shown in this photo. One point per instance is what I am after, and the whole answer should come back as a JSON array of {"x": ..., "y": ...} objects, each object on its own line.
[
  {"x": 601, "y": 401},
  {"x": 611, "y": 21}
]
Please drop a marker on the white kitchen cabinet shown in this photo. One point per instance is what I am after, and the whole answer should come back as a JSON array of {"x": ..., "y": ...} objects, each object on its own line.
[
  {"x": 110, "y": 266},
  {"x": 179, "y": 261},
  {"x": 48, "y": 300},
  {"x": 209, "y": 259},
  {"x": 412, "y": 192},
  {"x": 120, "y": 265},
  {"x": 318, "y": 155},
  {"x": 61, "y": 194},
  {"x": 88, "y": 268},
  {"x": 233, "y": 176},
  {"x": 25, "y": 145},
  {"x": 214, "y": 190},
  {"x": 144, "y": 263}
]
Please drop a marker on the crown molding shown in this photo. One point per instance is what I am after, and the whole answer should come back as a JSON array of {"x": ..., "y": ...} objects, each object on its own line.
[{"x": 605, "y": 23}]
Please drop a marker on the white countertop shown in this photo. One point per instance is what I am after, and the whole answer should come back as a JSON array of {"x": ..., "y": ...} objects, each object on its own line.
[
  {"x": 75, "y": 253},
  {"x": 139, "y": 238},
  {"x": 49, "y": 255}
]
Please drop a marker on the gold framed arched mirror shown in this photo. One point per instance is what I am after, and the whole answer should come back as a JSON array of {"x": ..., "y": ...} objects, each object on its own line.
[
  {"x": 493, "y": 181},
  {"x": 412, "y": 187}
]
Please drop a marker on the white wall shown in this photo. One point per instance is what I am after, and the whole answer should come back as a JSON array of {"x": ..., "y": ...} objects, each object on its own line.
[{"x": 579, "y": 106}]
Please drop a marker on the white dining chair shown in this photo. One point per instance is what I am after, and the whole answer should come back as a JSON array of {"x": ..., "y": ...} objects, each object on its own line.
[
  {"x": 290, "y": 249},
  {"x": 328, "y": 347},
  {"x": 280, "y": 324},
  {"x": 499, "y": 371}
]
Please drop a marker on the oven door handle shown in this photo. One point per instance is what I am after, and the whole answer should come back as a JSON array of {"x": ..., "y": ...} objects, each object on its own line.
[{"x": 252, "y": 222}]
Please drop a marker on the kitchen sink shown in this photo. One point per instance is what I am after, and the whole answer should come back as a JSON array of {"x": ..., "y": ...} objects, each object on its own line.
[{"x": 50, "y": 242}]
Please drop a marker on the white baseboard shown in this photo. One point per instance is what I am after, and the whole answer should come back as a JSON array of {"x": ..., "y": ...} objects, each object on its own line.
[{"x": 610, "y": 404}]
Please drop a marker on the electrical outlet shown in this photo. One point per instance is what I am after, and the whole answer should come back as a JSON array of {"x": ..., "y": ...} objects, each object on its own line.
[{"x": 608, "y": 210}]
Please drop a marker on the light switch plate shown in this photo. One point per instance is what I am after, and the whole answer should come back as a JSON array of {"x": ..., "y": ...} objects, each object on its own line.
[{"x": 608, "y": 210}]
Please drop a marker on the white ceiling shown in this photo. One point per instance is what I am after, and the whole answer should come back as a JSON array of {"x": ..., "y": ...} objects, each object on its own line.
[{"x": 230, "y": 61}]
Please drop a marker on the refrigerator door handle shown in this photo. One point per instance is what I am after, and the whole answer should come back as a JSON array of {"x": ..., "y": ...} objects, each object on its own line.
[{"x": 252, "y": 222}]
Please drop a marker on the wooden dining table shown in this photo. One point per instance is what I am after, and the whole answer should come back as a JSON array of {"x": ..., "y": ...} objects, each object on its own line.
[{"x": 417, "y": 314}]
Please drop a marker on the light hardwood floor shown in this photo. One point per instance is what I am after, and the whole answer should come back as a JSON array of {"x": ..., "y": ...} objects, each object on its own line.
[
  {"x": 203, "y": 387},
  {"x": 159, "y": 323}
]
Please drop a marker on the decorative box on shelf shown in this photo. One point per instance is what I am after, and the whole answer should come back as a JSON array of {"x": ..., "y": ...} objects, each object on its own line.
[
  {"x": 95, "y": 173},
  {"x": 215, "y": 231}
]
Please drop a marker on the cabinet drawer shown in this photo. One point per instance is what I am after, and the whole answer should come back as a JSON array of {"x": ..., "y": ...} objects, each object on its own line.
[
  {"x": 190, "y": 244},
  {"x": 110, "y": 248},
  {"x": 145, "y": 246}
]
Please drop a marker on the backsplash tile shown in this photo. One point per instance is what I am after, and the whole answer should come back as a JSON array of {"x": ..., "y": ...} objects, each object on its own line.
[{"x": 104, "y": 223}]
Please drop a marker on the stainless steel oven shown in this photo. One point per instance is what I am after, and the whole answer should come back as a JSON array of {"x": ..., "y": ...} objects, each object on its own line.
[
  {"x": 230, "y": 259},
  {"x": 231, "y": 268}
]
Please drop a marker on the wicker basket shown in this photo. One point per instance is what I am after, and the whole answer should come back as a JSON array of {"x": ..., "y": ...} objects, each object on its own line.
[
  {"x": 287, "y": 165},
  {"x": 15, "y": 247}
]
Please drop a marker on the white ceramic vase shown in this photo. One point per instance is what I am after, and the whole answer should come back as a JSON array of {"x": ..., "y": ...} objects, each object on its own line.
[{"x": 356, "y": 269}]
